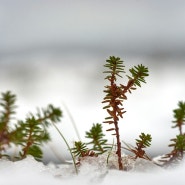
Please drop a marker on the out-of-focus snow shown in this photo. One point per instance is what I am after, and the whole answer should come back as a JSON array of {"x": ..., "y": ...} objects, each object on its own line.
[{"x": 29, "y": 171}]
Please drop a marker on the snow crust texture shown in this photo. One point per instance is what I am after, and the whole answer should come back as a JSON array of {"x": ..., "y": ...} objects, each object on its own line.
[{"x": 29, "y": 172}]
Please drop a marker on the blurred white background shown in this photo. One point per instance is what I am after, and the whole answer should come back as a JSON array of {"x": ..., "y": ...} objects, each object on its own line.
[{"x": 53, "y": 51}]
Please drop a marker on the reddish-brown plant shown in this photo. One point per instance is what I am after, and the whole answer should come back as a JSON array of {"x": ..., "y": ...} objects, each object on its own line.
[{"x": 115, "y": 94}]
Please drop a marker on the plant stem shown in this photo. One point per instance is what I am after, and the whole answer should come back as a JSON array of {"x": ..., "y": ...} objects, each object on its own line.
[
  {"x": 118, "y": 145},
  {"x": 72, "y": 121},
  {"x": 76, "y": 170}
]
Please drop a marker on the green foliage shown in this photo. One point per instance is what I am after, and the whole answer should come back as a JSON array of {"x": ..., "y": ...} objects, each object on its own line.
[
  {"x": 28, "y": 134},
  {"x": 7, "y": 102},
  {"x": 179, "y": 120},
  {"x": 80, "y": 150},
  {"x": 178, "y": 143},
  {"x": 98, "y": 145},
  {"x": 179, "y": 116},
  {"x": 144, "y": 141},
  {"x": 48, "y": 115},
  {"x": 177, "y": 153},
  {"x": 31, "y": 133},
  {"x": 7, "y": 110},
  {"x": 115, "y": 66},
  {"x": 115, "y": 94},
  {"x": 35, "y": 151},
  {"x": 138, "y": 74},
  {"x": 97, "y": 139}
]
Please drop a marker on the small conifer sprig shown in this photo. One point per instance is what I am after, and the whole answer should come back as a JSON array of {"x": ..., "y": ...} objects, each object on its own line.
[
  {"x": 177, "y": 153},
  {"x": 178, "y": 143},
  {"x": 80, "y": 150},
  {"x": 29, "y": 134},
  {"x": 179, "y": 116},
  {"x": 115, "y": 94},
  {"x": 7, "y": 110},
  {"x": 97, "y": 139},
  {"x": 32, "y": 132},
  {"x": 7, "y": 102},
  {"x": 138, "y": 74},
  {"x": 143, "y": 142}
]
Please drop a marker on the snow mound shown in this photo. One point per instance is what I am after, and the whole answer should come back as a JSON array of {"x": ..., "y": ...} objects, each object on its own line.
[
  {"x": 91, "y": 171},
  {"x": 142, "y": 165},
  {"x": 27, "y": 171}
]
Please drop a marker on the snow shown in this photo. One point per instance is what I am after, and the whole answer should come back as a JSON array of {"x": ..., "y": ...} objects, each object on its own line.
[
  {"x": 56, "y": 55},
  {"x": 29, "y": 171}
]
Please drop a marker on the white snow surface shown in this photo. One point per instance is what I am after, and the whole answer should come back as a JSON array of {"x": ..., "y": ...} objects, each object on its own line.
[{"x": 29, "y": 171}]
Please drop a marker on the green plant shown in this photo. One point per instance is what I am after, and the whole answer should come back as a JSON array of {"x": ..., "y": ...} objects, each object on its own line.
[
  {"x": 144, "y": 141},
  {"x": 80, "y": 151},
  {"x": 179, "y": 116},
  {"x": 115, "y": 94},
  {"x": 7, "y": 105},
  {"x": 31, "y": 133},
  {"x": 28, "y": 134},
  {"x": 98, "y": 144},
  {"x": 97, "y": 139},
  {"x": 178, "y": 143}
]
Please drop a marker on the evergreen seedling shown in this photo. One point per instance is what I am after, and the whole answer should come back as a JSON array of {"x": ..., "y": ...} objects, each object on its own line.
[
  {"x": 178, "y": 143},
  {"x": 179, "y": 116},
  {"x": 80, "y": 151},
  {"x": 115, "y": 94},
  {"x": 144, "y": 141},
  {"x": 97, "y": 139},
  {"x": 7, "y": 110},
  {"x": 28, "y": 134}
]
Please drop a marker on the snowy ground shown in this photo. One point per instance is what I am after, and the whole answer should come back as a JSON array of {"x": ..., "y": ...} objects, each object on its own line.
[
  {"x": 29, "y": 171},
  {"x": 54, "y": 51}
]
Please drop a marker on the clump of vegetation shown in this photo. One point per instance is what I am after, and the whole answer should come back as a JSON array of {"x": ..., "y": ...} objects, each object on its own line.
[
  {"x": 97, "y": 137},
  {"x": 178, "y": 143},
  {"x": 116, "y": 94},
  {"x": 28, "y": 134},
  {"x": 97, "y": 145},
  {"x": 31, "y": 133},
  {"x": 138, "y": 150}
]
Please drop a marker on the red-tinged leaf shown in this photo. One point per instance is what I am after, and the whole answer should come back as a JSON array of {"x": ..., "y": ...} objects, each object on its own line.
[
  {"x": 133, "y": 88},
  {"x": 123, "y": 96},
  {"x": 110, "y": 129},
  {"x": 109, "y": 122},
  {"x": 110, "y": 112},
  {"x": 106, "y": 107},
  {"x": 108, "y": 118},
  {"x": 106, "y": 100},
  {"x": 120, "y": 114},
  {"x": 130, "y": 83},
  {"x": 119, "y": 101}
]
